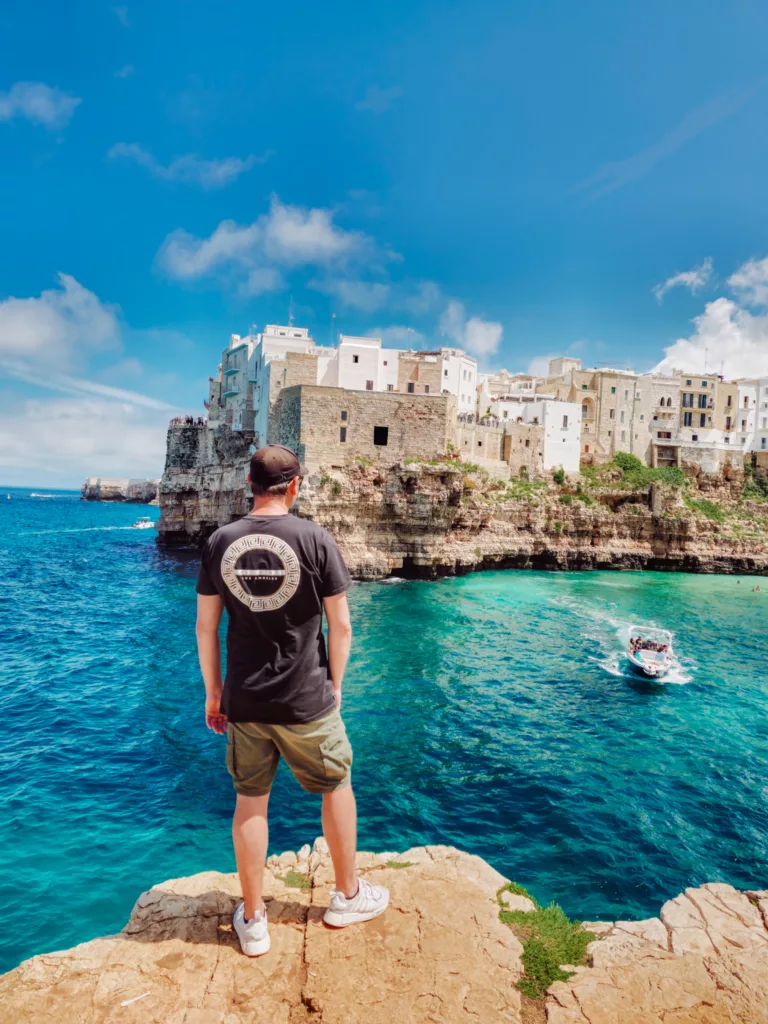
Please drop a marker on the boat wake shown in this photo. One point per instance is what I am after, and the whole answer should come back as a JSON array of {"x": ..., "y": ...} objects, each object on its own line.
[{"x": 609, "y": 635}]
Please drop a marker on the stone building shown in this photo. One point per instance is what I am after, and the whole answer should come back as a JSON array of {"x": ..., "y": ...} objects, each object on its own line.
[
  {"x": 334, "y": 427},
  {"x": 420, "y": 373},
  {"x": 523, "y": 448}
]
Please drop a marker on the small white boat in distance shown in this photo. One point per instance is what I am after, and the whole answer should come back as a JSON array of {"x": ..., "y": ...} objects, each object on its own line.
[
  {"x": 650, "y": 651},
  {"x": 143, "y": 523}
]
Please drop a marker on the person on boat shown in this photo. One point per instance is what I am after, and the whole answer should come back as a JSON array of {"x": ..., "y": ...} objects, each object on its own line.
[{"x": 276, "y": 574}]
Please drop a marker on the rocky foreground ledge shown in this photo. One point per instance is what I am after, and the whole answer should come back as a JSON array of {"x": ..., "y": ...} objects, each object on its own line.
[{"x": 440, "y": 954}]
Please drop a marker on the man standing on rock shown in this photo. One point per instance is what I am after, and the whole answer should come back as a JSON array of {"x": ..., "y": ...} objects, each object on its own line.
[{"x": 275, "y": 574}]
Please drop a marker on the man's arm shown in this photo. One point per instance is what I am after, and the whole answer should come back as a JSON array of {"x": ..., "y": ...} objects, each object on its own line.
[
  {"x": 339, "y": 639},
  {"x": 209, "y": 611}
]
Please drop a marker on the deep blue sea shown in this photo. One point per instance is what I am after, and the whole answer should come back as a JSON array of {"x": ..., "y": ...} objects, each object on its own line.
[{"x": 491, "y": 712}]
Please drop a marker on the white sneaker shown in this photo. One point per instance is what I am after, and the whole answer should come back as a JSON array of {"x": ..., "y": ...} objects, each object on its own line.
[
  {"x": 253, "y": 934},
  {"x": 367, "y": 903}
]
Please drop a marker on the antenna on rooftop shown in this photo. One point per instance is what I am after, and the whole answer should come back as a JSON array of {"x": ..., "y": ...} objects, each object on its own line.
[
  {"x": 290, "y": 311},
  {"x": 333, "y": 330}
]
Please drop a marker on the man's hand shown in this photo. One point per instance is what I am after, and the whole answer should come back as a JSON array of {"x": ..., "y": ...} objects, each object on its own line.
[
  {"x": 214, "y": 718},
  {"x": 337, "y": 695}
]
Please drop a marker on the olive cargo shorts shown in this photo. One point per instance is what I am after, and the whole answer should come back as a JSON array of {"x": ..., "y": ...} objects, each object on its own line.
[{"x": 318, "y": 753}]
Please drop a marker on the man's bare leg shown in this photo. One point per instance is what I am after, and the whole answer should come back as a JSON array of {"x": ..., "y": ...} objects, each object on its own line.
[
  {"x": 250, "y": 835},
  {"x": 340, "y": 831}
]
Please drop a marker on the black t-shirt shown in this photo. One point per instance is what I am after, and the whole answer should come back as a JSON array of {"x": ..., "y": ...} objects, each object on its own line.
[{"x": 272, "y": 572}]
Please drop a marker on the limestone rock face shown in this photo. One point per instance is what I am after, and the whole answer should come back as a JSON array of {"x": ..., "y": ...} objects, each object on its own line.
[
  {"x": 704, "y": 961},
  {"x": 99, "y": 488},
  {"x": 433, "y": 520},
  {"x": 439, "y": 953}
]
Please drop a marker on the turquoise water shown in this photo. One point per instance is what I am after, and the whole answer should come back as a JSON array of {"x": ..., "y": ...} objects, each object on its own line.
[{"x": 491, "y": 712}]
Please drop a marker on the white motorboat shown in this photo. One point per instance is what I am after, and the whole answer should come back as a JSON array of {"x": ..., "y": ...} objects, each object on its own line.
[
  {"x": 143, "y": 523},
  {"x": 650, "y": 651}
]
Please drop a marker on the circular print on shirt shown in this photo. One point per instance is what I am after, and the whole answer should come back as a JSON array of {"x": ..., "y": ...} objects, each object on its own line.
[{"x": 262, "y": 571}]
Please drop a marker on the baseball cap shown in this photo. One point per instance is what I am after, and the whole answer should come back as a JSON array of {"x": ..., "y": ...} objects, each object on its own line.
[{"x": 275, "y": 464}]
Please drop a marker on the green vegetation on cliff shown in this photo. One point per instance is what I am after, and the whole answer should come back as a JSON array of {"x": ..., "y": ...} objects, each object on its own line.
[{"x": 550, "y": 939}]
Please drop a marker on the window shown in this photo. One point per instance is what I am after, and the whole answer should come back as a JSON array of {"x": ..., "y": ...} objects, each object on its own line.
[
  {"x": 702, "y": 401},
  {"x": 626, "y": 396},
  {"x": 584, "y": 410},
  {"x": 612, "y": 414},
  {"x": 610, "y": 433},
  {"x": 386, "y": 363},
  {"x": 727, "y": 440},
  {"x": 702, "y": 419},
  {"x": 380, "y": 436},
  {"x": 743, "y": 424},
  {"x": 390, "y": 387},
  {"x": 342, "y": 434},
  {"x": 296, "y": 334},
  {"x": 694, "y": 437},
  {"x": 613, "y": 391},
  {"x": 746, "y": 402},
  {"x": 729, "y": 402},
  {"x": 703, "y": 383},
  {"x": 623, "y": 435},
  {"x": 687, "y": 400},
  {"x": 586, "y": 449},
  {"x": 583, "y": 387},
  {"x": 661, "y": 403},
  {"x": 727, "y": 422},
  {"x": 369, "y": 385},
  {"x": 642, "y": 417},
  {"x": 445, "y": 373},
  {"x": 565, "y": 422},
  {"x": 479, "y": 444},
  {"x": 411, "y": 387},
  {"x": 355, "y": 359},
  {"x": 622, "y": 415},
  {"x": 669, "y": 403},
  {"x": 527, "y": 443},
  {"x": 664, "y": 434},
  {"x": 343, "y": 415},
  {"x": 687, "y": 383},
  {"x": 687, "y": 419},
  {"x": 426, "y": 389}
]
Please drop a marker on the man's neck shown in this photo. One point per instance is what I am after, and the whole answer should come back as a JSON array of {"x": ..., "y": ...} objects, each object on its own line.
[{"x": 270, "y": 507}]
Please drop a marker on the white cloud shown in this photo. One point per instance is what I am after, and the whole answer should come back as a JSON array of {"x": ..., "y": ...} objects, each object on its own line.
[
  {"x": 367, "y": 296},
  {"x": 727, "y": 339},
  {"x": 379, "y": 100},
  {"x": 397, "y": 336},
  {"x": 750, "y": 282},
  {"x": 39, "y": 103},
  {"x": 262, "y": 280},
  {"x": 618, "y": 173},
  {"x": 285, "y": 237},
  {"x": 57, "y": 328},
  {"x": 421, "y": 298},
  {"x": 125, "y": 71},
  {"x": 190, "y": 168},
  {"x": 694, "y": 279},
  {"x": 60, "y": 441},
  {"x": 479, "y": 337}
]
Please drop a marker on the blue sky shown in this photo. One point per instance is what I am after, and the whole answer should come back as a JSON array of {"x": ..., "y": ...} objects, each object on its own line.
[{"x": 519, "y": 179}]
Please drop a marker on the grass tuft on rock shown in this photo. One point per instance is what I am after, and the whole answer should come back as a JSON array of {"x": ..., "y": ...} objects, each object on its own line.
[
  {"x": 295, "y": 880},
  {"x": 400, "y": 863},
  {"x": 549, "y": 939}
]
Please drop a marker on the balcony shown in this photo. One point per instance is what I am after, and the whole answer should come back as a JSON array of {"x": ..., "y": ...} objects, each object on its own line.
[
  {"x": 231, "y": 392},
  {"x": 230, "y": 370}
]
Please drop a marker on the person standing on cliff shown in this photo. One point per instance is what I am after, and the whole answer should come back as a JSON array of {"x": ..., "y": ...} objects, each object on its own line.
[{"x": 275, "y": 574}]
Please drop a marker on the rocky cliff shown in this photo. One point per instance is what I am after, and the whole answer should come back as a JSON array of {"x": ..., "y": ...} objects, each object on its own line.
[
  {"x": 439, "y": 519},
  {"x": 445, "y": 952},
  {"x": 99, "y": 488}
]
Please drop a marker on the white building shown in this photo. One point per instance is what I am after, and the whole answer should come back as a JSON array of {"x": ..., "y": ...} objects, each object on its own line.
[
  {"x": 460, "y": 378},
  {"x": 561, "y": 421},
  {"x": 250, "y": 367},
  {"x": 751, "y": 420}
]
